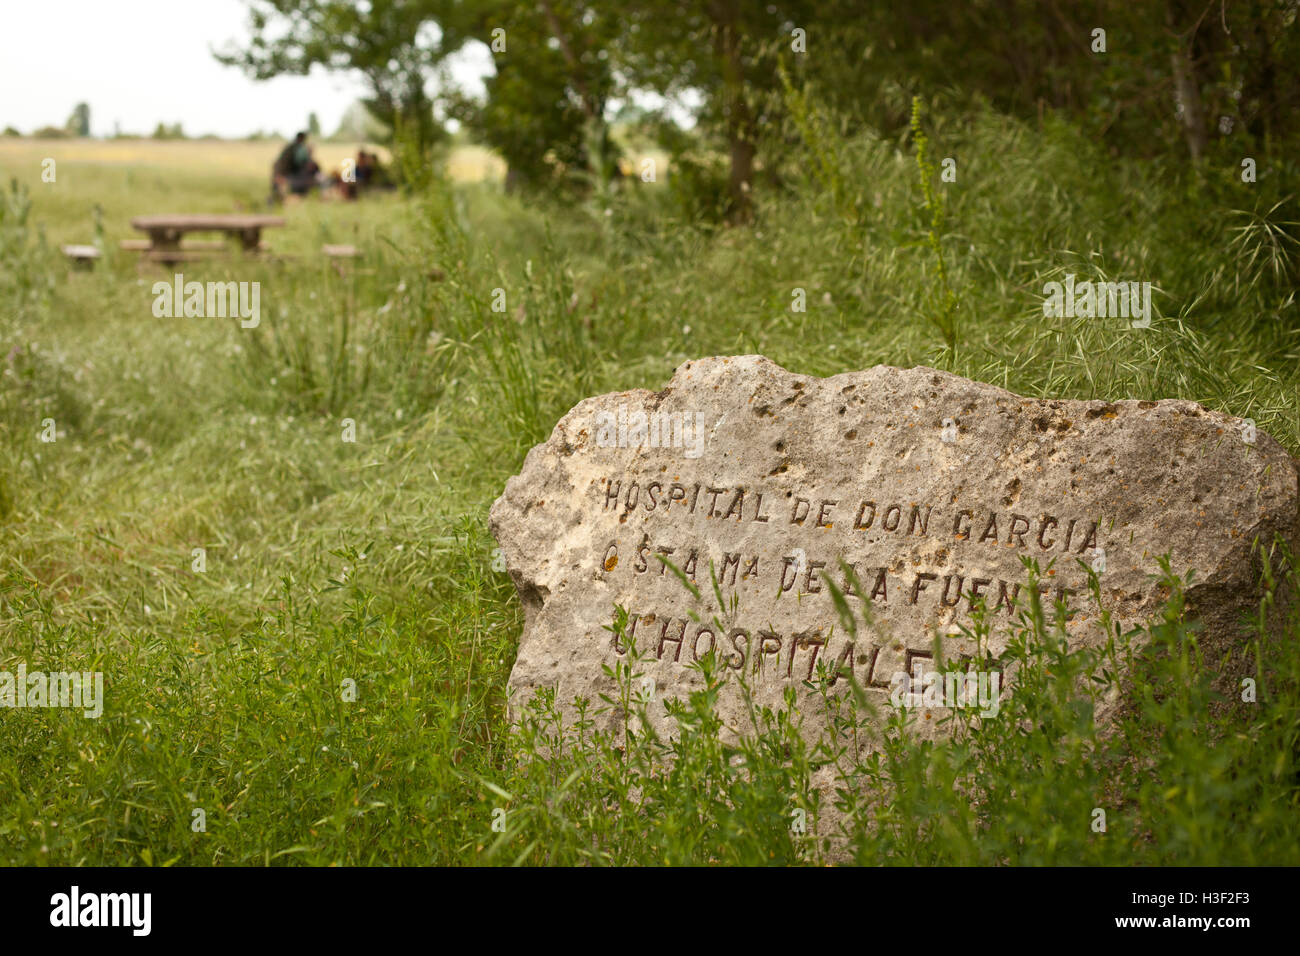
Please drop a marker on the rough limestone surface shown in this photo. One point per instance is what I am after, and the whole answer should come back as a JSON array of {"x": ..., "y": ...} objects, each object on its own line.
[{"x": 932, "y": 487}]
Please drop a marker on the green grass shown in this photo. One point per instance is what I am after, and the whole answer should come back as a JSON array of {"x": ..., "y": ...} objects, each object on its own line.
[{"x": 370, "y": 561}]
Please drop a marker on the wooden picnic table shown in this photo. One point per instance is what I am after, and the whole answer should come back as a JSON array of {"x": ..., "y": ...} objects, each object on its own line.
[{"x": 165, "y": 232}]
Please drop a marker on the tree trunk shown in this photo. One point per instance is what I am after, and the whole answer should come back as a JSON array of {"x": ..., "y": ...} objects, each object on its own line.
[
  {"x": 741, "y": 141},
  {"x": 1261, "y": 82},
  {"x": 1186, "y": 88},
  {"x": 595, "y": 138},
  {"x": 576, "y": 72},
  {"x": 739, "y": 181},
  {"x": 1189, "y": 97}
]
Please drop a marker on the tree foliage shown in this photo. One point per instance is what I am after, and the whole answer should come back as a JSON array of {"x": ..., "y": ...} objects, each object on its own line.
[{"x": 1182, "y": 78}]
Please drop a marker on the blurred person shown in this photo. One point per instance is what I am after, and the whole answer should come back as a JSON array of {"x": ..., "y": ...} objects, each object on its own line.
[{"x": 295, "y": 171}]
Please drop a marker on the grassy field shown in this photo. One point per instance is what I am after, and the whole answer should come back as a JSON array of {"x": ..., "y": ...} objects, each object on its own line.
[{"x": 326, "y": 561}]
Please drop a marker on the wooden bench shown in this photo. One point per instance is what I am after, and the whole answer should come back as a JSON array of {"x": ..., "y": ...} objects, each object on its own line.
[
  {"x": 81, "y": 257},
  {"x": 144, "y": 245},
  {"x": 166, "y": 232}
]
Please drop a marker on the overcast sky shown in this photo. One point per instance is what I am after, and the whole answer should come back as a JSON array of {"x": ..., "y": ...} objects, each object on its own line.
[{"x": 141, "y": 62}]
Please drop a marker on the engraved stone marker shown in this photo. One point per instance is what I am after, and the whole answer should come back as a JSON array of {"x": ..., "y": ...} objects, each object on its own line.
[{"x": 931, "y": 487}]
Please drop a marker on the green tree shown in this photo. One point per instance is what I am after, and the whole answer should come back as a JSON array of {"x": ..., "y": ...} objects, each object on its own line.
[
  {"x": 727, "y": 52},
  {"x": 395, "y": 44},
  {"x": 545, "y": 104},
  {"x": 164, "y": 131},
  {"x": 79, "y": 122}
]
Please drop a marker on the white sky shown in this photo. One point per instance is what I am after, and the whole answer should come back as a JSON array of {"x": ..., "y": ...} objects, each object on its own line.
[{"x": 141, "y": 62}]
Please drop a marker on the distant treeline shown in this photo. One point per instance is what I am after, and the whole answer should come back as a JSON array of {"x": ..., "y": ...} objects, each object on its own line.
[{"x": 356, "y": 125}]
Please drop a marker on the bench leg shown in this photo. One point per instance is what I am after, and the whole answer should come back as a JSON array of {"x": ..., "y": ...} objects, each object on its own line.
[{"x": 164, "y": 240}]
